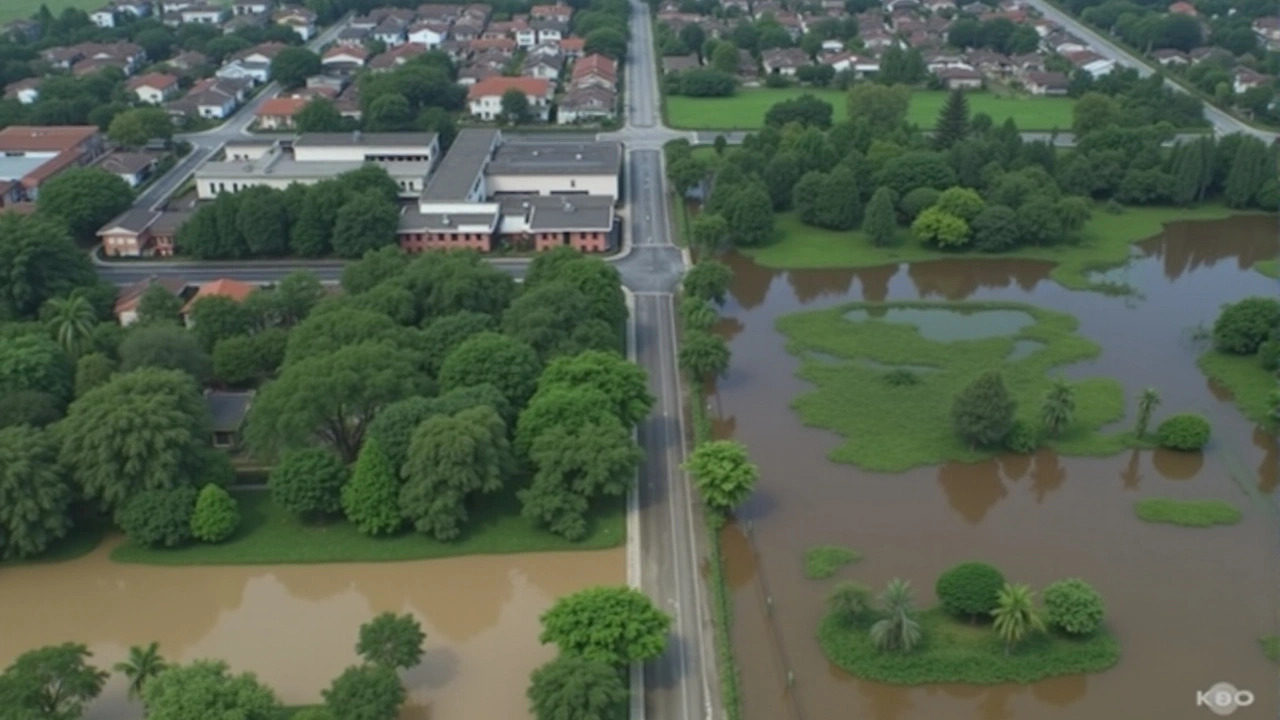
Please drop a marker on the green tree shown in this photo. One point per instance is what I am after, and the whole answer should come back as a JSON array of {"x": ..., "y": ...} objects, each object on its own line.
[
  {"x": 236, "y": 361},
  {"x": 332, "y": 328},
  {"x": 55, "y": 682},
  {"x": 219, "y": 317},
  {"x": 38, "y": 258},
  {"x": 725, "y": 58},
  {"x": 1243, "y": 326},
  {"x": 167, "y": 347},
  {"x": 613, "y": 625},
  {"x": 1073, "y": 606},
  {"x": 849, "y": 601},
  {"x": 708, "y": 231},
  {"x": 451, "y": 460},
  {"x": 723, "y": 474},
  {"x": 883, "y": 107},
  {"x": 1016, "y": 615},
  {"x": 488, "y": 358},
  {"x": 964, "y": 203},
  {"x": 445, "y": 334},
  {"x": 207, "y": 689},
  {"x": 143, "y": 664},
  {"x": 293, "y": 65},
  {"x": 292, "y": 299},
  {"x": 1186, "y": 432},
  {"x": 623, "y": 382},
  {"x": 144, "y": 430},
  {"x": 35, "y": 493},
  {"x": 363, "y": 223},
  {"x": 365, "y": 692},
  {"x": 995, "y": 229},
  {"x": 1148, "y": 401},
  {"x": 917, "y": 169},
  {"x": 85, "y": 198},
  {"x": 570, "y": 687},
  {"x": 216, "y": 515},
  {"x": 1094, "y": 111},
  {"x": 72, "y": 319},
  {"x": 312, "y": 233},
  {"x": 969, "y": 588},
  {"x": 391, "y": 112},
  {"x": 942, "y": 229},
  {"x": 515, "y": 109},
  {"x": 330, "y": 397},
  {"x": 982, "y": 413},
  {"x": 708, "y": 280},
  {"x": 554, "y": 318},
  {"x": 748, "y": 212},
  {"x": 898, "y": 629},
  {"x": 953, "y": 121},
  {"x": 158, "y": 305},
  {"x": 308, "y": 482},
  {"x": 139, "y": 126},
  {"x": 704, "y": 356},
  {"x": 697, "y": 315},
  {"x": 685, "y": 173},
  {"x": 391, "y": 641},
  {"x": 1059, "y": 406},
  {"x": 35, "y": 363},
  {"x": 92, "y": 370},
  {"x": 319, "y": 115},
  {"x": 606, "y": 41},
  {"x": 159, "y": 518},
  {"x": 881, "y": 220},
  {"x": 369, "y": 499},
  {"x": 262, "y": 219}
]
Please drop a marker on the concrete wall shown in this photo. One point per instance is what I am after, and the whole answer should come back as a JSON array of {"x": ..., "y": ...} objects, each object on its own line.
[{"x": 604, "y": 185}]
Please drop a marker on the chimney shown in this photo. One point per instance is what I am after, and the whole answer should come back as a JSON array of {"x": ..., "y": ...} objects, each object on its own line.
[{"x": 444, "y": 220}]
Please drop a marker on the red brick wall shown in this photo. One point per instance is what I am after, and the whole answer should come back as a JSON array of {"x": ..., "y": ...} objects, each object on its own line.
[
  {"x": 420, "y": 242},
  {"x": 589, "y": 241}
]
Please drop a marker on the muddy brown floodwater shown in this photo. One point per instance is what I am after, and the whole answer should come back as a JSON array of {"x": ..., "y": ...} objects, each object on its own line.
[
  {"x": 1188, "y": 606},
  {"x": 296, "y": 626}
]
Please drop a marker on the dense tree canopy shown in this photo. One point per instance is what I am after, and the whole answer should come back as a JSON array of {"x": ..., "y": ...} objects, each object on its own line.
[
  {"x": 451, "y": 459},
  {"x": 164, "y": 346},
  {"x": 35, "y": 492},
  {"x": 309, "y": 482},
  {"x": 85, "y": 199},
  {"x": 38, "y": 260},
  {"x": 208, "y": 689},
  {"x": 502, "y": 361},
  {"x": 572, "y": 687},
  {"x": 392, "y": 641},
  {"x": 613, "y": 625},
  {"x": 723, "y": 474},
  {"x": 365, "y": 692},
  {"x": 55, "y": 682}
]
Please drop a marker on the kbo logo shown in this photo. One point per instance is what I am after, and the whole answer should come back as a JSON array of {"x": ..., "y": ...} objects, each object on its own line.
[{"x": 1223, "y": 699}]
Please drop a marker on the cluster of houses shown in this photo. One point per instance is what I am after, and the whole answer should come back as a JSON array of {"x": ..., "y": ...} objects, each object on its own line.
[
  {"x": 534, "y": 53},
  {"x": 919, "y": 24},
  {"x": 31, "y": 155},
  {"x": 229, "y": 17}
]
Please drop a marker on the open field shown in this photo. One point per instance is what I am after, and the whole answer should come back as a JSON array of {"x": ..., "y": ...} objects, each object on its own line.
[
  {"x": 746, "y": 110},
  {"x": 269, "y": 535},
  {"x": 14, "y": 9}
]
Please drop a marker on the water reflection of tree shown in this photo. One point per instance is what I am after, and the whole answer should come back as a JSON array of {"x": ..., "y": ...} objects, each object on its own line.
[
  {"x": 728, "y": 328},
  {"x": 1014, "y": 466},
  {"x": 875, "y": 282},
  {"x": 750, "y": 281},
  {"x": 958, "y": 279},
  {"x": 1132, "y": 473},
  {"x": 1047, "y": 475},
  {"x": 1187, "y": 246},
  {"x": 1061, "y": 691},
  {"x": 1269, "y": 470},
  {"x": 810, "y": 285},
  {"x": 1174, "y": 465},
  {"x": 739, "y": 559},
  {"x": 972, "y": 489},
  {"x": 884, "y": 702}
]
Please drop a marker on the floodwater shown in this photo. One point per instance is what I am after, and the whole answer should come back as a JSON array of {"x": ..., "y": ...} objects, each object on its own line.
[
  {"x": 295, "y": 626},
  {"x": 1187, "y": 605}
]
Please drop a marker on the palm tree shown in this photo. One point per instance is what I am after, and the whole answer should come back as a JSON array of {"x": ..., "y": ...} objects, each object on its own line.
[
  {"x": 142, "y": 665},
  {"x": 1059, "y": 407},
  {"x": 898, "y": 630},
  {"x": 1148, "y": 401},
  {"x": 72, "y": 319},
  {"x": 1015, "y": 614},
  {"x": 849, "y": 600}
]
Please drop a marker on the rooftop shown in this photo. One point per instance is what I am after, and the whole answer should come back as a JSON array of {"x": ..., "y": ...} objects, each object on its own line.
[
  {"x": 19, "y": 166},
  {"x": 228, "y": 409},
  {"x": 465, "y": 161},
  {"x": 587, "y": 213},
  {"x": 278, "y": 163},
  {"x": 28, "y": 138},
  {"x": 399, "y": 139},
  {"x": 542, "y": 158},
  {"x": 413, "y": 220}
]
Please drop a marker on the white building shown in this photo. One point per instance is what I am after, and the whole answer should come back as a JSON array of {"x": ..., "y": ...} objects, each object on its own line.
[{"x": 485, "y": 97}]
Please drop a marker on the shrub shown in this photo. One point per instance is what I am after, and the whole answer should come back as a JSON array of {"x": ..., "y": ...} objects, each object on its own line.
[
  {"x": 1114, "y": 208},
  {"x": 900, "y": 377},
  {"x": 823, "y": 561},
  {"x": 917, "y": 201},
  {"x": 159, "y": 518},
  {"x": 1022, "y": 438},
  {"x": 969, "y": 588},
  {"x": 1187, "y": 432},
  {"x": 1243, "y": 326},
  {"x": 216, "y": 515},
  {"x": 1073, "y": 606},
  {"x": 1269, "y": 354},
  {"x": 309, "y": 482}
]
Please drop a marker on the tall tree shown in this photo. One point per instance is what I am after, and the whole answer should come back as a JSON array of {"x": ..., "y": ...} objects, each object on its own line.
[
  {"x": 571, "y": 687},
  {"x": 38, "y": 261},
  {"x": 1059, "y": 406},
  {"x": 72, "y": 319},
  {"x": 363, "y": 223},
  {"x": 898, "y": 629},
  {"x": 392, "y": 641},
  {"x": 1016, "y": 615},
  {"x": 708, "y": 280},
  {"x": 365, "y": 692},
  {"x": 219, "y": 317},
  {"x": 312, "y": 233},
  {"x": 983, "y": 412},
  {"x": 451, "y": 460},
  {"x": 554, "y": 318},
  {"x": 613, "y": 625},
  {"x": 708, "y": 232},
  {"x": 504, "y": 362},
  {"x": 723, "y": 474},
  {"x": 883, "y": 107},
  {"x": 35, "y": 493},
  {"x": 1249, "y": 169},
  {"x": 85, "y": 198},
  {"x": 170, "y": 347},
  {"x": 142, "y": 665},
  {"x": 623, "y": 382},
  {"x": 135, "y": 128},
  {"x": 308, "y": 482},
  {"x": 704, "y": 356},
  {"x": 32, "y": 362},
  {"x": 369, "y": 499},
  {"x": 515, "y": 109},
  {"x": 158, "y": 305},
  {"x": 263, "y": 221},
  {"x": 142, "y": 430},
  {"x": 953, "y": 121},
  {"x": 881, "y": 221},
  {"x": 748, "y": 212},
  {"x": 1148, "y": 401},
  {"x": 319, "y": 115},
  {"x": 207, "y": 689},
  {"x": 292, "y": 66},
  {"x": 55, "y": 682}
]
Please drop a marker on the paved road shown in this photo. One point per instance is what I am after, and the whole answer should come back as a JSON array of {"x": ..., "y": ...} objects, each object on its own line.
[{"x": 1222, "y": 122}]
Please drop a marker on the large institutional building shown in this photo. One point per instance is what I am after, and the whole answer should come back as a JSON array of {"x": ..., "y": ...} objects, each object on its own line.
[{"x": 485, "y": 191}]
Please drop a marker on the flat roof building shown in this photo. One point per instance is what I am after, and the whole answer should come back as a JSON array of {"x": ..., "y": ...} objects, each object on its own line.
[{"x": 30, "y": 155}]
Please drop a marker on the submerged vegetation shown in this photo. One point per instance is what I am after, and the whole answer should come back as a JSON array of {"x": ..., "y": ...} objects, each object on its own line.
[
  {"x": 1187, "y": 513},
  {"x": 823, "y": 561}
]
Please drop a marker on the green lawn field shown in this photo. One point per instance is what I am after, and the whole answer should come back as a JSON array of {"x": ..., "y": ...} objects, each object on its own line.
[
  {"x": 746, "y": 110},
  {"x": 14, "y": 9}
]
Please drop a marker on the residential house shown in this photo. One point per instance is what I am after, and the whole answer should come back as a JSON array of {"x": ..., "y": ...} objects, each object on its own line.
[
  {"x": 1064, "y": 43},
  {"x": 526, "y": 36},
  {"x": 898, "y": 5},
  {"x": 1091, "y": 62},
  {"x": 222, "y": 287},
  {"x": 1046, "y": 83},
  {"x": 22, "y": 30},
  {"x": 679, "y": 63},
  {"x": 299, "y": 19},
  {"x": 89, "y": 66},
  {"x": 429, "y": 33},
  {"x": 940, "y": 7},
  {"x": 251, "y": 7},
  {"x": 572, "y": 47},
  {"x": 1210, "y": 53},
  {"x": 1169, "y": 57},
  {"x": 784, "y": 61},
  {"x": 212, "y": 98},
  {"x": 227, "y": 411},
  {"x": 958, "y": 78},
  {"x": 397, "y": 56},
  {"x": 354, "y": 36},
  {"x": 546, "y": 49},
  {"x": 935, "y": 61},
  {"x": 253, "y": 64},
  {"x": 202, "y": 14},
  {"x": 989, "y": 62},
  {"x": 391, "y": 32},
  {"x": 188, "y": 62},
  {"x": 344, "y": 60},
  {"x": 61, "y": 57},
  {"x": 30, "y": 155},
  {"x": 133, "y": 168},
  {"x": 124, "y": 55},
  {"x": 277, "y": 113},
  {"x": 550, "y": 31},
  {"x": 24, "y": 91},
  {"x": 1183, "y": 8},
  {"x": 1244, "y": 79},
  {"x": 586, "y": 104},
  {"x": 153, "y": 88},
  {"x": 176, "y": 6},
  {"x": 1027, "y": 62},
  {"x": 547, "y": 67},
  {"x": 876, "y": 38},
  {"x": 130, "y": 296},
  {"x": 504, "y": 46},
  {"x": 466, "y": 30},
  {"x": 747, "y": 67},
  {"x": 558, "y": 12},
  {"x": 1268, "y": 31},
  {"x": 485, "y": 97},
  {"x": 237, "y": 23},
  {"x": 856, "y": 65},
  {"x": 595, "y": 70},
  {"x": 473, "y": 74},
  {"x": 104, "y": 17}
]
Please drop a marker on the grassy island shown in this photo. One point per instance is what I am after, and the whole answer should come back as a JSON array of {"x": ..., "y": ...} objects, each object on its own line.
[
  {"x": 269, "y": 535},
  {"x": 956, "y": 651},
  {"x": 1187, "y": 513},
  {"x": 1250, "y": 383},
  {"x": 823, "y": 561},
  {"x": 886, "y": 374}
]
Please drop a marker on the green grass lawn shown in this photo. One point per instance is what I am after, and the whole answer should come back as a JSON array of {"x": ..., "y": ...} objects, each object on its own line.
[
  {"x": 823, "y": 561},
  {"x": 746, "y": 110},
  {"x": 889, "y": 425},
  {"x": 1250, "y": 384},
  {"x": 269, "y": 535},
  {"x": 955, "y": 651},
  {"x": 1187, "y": 513},
  {"x": 1271, "y": 647},
  {"x": 1270, "y": 268},
  {"x": 1106, "y": 241}
]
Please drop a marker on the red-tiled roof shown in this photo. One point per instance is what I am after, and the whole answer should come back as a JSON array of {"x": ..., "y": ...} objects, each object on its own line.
[
  {"x": 224, "y": 287},
  {"x": 281, "y": 107},
  {"x": 499, "y": 85}
]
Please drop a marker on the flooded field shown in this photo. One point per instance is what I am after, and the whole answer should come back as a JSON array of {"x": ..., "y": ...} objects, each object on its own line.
[
  {"x": 295, "y": 626},
  {"x": 1187, "y": 605}
]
